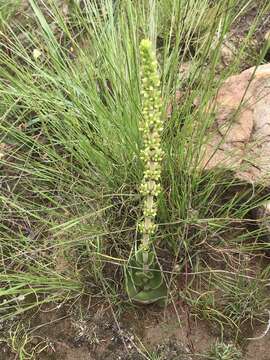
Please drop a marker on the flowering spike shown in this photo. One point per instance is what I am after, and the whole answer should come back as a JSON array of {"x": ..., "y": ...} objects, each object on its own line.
[
  {"x": 150, "y": 127},
  {"x": 144, "y": 280}
]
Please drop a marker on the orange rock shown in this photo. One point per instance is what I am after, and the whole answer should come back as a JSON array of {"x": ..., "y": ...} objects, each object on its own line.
[{"x": 239, "y": 139}]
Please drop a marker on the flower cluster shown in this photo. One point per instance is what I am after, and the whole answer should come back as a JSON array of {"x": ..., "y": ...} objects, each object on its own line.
[{"x": 150, "y": 127}]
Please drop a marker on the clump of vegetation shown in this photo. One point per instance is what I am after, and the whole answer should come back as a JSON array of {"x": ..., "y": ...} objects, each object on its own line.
[
  {"x": 7, "y": 10},
  {"x": 222, "y": 351}
]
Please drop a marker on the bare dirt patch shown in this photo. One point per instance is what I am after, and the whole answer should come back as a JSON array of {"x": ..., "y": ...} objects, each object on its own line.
[
  {"x": 258, "y": 349},
  {"x": 170, "y": 334},
  {"x": 61, "y": 334}
]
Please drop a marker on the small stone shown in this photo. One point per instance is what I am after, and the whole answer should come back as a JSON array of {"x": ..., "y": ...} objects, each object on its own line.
[
  {"x": 227, "y": 52},
  {"x": 65, "y": 9},
  {"x": 174, "y": 102},
  {"x": 2, "y": 153},
  {"x": 267, "y": 36},
  {"x": 262, "y": 213},
  {"x": 36, "y": 54}
]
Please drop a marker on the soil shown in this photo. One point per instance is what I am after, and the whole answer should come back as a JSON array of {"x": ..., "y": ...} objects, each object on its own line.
[
  {"x": 171, "y": 334},
  {"x": 241, "y": 29},
  {"x": 244, "y": 23},
  {"x": 259, "y": 349},
  {"x": 97, "y": 336}
]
